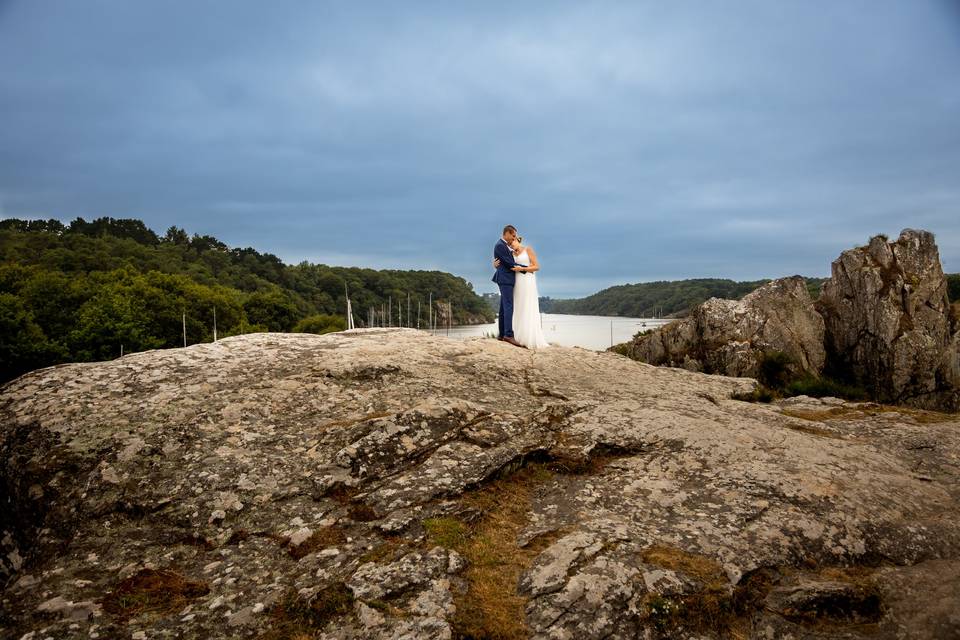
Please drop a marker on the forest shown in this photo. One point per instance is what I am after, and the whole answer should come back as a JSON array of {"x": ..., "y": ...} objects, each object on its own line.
[{"x": 87, "y": 290}]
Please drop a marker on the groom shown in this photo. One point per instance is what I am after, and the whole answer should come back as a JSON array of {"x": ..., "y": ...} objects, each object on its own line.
[{"x": 505, "y": 279}]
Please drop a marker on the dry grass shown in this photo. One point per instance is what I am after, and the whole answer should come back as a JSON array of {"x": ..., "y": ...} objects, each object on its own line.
[
  {"x": 320, "y": 539},
  {"x": 492, "y": 608},
  {"x": 864, "y": 411},
  {"x": 294, "y": 618},
  {"x": 388, "y": 551},
  {"x": 805, "y": 428},
  {"x": 157, "y": 591},
  {"x": 702, "y": 568},
  {"x": 715, "y": 609},
  {"x": 360, "y": 512}
]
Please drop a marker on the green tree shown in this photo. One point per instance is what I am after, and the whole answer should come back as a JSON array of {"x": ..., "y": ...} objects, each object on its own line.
[
  {"x": 271, "y": 309},
  {"x": 320, "y": 323},
  {"x": 24, "y": 345}
]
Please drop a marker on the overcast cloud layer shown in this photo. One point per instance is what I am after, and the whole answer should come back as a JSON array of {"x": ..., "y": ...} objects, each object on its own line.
[{"x": 628, "y": 141}]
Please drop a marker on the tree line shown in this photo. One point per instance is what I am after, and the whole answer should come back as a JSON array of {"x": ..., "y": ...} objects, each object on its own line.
[
  {"x": 665, "y": 297},
  {"x": 84, "y": 290}
]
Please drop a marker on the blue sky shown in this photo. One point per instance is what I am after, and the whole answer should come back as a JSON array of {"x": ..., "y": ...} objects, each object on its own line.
[{"x": 628, "y": 141}]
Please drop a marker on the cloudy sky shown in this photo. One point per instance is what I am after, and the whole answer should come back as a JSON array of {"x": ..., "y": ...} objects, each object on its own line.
[{"x": 628, "y": 141}]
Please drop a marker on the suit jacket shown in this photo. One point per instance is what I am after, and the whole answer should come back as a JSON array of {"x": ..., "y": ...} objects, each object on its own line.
[{"x": 505, "y": 273}]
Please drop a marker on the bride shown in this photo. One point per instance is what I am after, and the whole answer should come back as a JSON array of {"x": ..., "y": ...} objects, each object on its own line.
[{"x": 526, "y": 300}]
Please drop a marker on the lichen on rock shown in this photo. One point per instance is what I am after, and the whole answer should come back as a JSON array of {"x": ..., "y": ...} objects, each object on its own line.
[{"x": 295, "y": 484}]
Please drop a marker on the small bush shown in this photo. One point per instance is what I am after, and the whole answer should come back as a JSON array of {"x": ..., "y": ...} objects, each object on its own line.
[
  {"x": 776, "y": 369},
  {"x": 320, "y": 324},
  {"x": 623, "y": 349},
  {"x": 824, "y": 387}
]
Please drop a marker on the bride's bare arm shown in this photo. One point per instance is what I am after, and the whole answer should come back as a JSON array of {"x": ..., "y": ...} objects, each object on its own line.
[{"x": 534, "y": 264}]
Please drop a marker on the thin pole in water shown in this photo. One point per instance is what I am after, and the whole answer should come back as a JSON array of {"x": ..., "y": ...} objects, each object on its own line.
[
  {"x": 184, "y": 329},
  {"x": 390, "y": 312},
  {"x": 418, "y": 313},
  {"x": 121, "y": 349},
  {"x": 430, "y": 311},
  {"x": 408, "y": 308},
  {"x": 214, "y": 324},
  {"x": 611, "y": 333}
]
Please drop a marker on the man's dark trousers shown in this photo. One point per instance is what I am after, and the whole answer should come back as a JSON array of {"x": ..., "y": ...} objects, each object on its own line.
[{"x": 505, "y": 323}]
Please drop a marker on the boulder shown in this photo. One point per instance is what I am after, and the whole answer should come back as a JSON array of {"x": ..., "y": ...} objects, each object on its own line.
[
  {"x": 888, "y": 322},
  {"x": 731, "y": 337},
  {"x": 385, "y": 484}
]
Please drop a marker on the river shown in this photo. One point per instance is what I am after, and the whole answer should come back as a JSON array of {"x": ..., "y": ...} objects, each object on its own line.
[{"x": 590, "y": 332}]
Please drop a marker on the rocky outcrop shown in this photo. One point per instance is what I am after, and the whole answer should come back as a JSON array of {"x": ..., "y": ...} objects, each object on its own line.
[
  {"x": 883, "y": 322},
  {"x": 731, "y": 337},
  {"x": 357, "y": 485},
  {"x": 888, "y": 323}
]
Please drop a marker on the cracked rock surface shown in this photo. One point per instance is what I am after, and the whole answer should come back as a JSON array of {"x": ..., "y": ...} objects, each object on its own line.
[{"x": 269, "y": 475}]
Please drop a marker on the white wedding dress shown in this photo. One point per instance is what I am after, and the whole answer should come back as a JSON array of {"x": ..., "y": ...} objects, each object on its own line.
[{"x": 526, "y": 308}]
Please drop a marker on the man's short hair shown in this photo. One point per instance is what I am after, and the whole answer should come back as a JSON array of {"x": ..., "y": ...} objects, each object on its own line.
[{"x": 509, "y": 228}]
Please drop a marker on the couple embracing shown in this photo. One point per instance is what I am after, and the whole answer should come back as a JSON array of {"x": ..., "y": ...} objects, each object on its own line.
[{"x": 516, "y": 264}]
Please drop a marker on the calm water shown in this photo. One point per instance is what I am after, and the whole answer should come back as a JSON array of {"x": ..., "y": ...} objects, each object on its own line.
[{"x": 589, "y": 332}]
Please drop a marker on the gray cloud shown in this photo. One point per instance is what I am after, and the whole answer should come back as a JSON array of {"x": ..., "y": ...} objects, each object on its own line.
[{"x": 628, "y": 141}]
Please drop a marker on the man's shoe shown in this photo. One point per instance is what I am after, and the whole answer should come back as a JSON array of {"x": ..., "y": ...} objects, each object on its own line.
[
  {"x": 513, "y": 342},
  {"x": 500, "y": 338}
]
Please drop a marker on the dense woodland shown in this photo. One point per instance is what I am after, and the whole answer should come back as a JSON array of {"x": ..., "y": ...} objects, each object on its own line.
[{"x": 83, "y": 291}]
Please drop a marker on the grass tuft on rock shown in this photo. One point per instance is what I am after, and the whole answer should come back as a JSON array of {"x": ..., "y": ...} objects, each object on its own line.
[
  {"x": 157, "y": 591},
  {"x": 492, "y": 607},
  {"x": 319, "y": 539},
  {"x": 694, "y": 565},
  {"x": 715, "y": 609},
  {"x": 295, "y": 617}
]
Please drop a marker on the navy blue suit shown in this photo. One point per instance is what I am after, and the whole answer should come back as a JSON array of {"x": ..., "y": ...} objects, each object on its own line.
[{"x": 505, "y": 278}]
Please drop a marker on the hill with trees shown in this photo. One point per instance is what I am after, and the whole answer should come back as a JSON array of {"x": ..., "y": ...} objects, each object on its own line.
[
  {"x": 85, "y": 290},
  {"x": 672, "y": 298},
  {"x": 665, "y": 297}
]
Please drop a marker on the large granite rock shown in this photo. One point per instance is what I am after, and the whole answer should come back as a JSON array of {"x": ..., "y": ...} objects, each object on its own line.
[
  {"x": 271, "y": 485},
  {"x": 731, "y": 337},
  {"x": 888, "y": 324}
]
